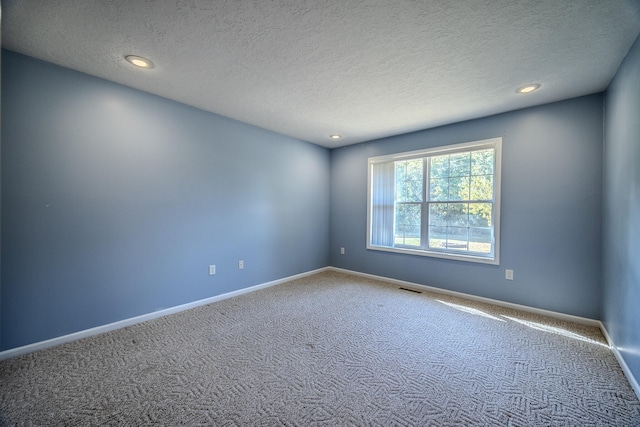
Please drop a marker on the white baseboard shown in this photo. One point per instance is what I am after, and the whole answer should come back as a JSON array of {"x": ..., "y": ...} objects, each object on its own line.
[
  {"x": 41, "y": 345},
  {"x": 633, "y": 382},
  {"x": 525, "y": 308}
]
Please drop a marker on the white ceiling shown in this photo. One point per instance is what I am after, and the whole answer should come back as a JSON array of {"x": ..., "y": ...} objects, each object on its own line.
[{"x": 364, "y": 69}]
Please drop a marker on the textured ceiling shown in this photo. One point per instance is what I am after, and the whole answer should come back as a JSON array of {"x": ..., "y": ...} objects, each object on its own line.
[{"x": 364, "y": 69}]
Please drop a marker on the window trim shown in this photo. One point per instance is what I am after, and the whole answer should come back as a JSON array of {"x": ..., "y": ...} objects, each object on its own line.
[{"x": 496, "y": 144}]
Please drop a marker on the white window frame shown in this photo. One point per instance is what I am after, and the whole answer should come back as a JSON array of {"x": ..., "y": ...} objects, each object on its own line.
[{"x": 494, "y": 143}]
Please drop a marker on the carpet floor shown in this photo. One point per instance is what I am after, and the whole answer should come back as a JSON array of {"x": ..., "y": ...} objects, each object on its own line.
[{"x": 327, "y": 350}]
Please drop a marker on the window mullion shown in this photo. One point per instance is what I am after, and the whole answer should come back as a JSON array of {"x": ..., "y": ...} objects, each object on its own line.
[{"x": 426, "y": 172}]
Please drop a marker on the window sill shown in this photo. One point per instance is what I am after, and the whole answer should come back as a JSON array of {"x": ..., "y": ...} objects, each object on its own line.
[{"x": 435, "y": 254}]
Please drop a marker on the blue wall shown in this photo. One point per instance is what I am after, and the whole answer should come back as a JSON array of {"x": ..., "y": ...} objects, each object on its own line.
[
  {"x": 550, "y": 216},
  {"x": 621, "y": 218},
  {"x": 114, "y": 202}
]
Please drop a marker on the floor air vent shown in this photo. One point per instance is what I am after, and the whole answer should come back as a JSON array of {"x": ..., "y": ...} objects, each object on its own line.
[{"x": 410, "y": 290}]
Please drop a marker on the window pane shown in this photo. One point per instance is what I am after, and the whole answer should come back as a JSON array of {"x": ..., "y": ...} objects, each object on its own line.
[
  {"x": 482, "y": 187},
  {"x": 414, "y": 169},
  {"x": 439, "y": 189},
  {"x": 480, "y": 214},
  {"x": 438, "y": 214},
  {"x": 482, "y": 162},
  {"x": 407, "y": 227},
  {"x": 440, "y": 167},
  {"x": 458, "y": 214},
  {"x": 408, "y": 236},
  {"x": 460, "y": 164},
  {"x": 457, "y": 238},
  {"x": 459, "y": 188},
  {"x": 437, "y": 237},
  {"x": 480, "y": 240},
  {"x": 460, "y": 226},
  {"x": 401, "y": 171},
  {"x": 408, "y": 214},
  {"x": 409, "y": 180}
]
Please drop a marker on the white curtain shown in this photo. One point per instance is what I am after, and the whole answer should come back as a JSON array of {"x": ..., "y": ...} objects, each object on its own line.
[{"x": 382, "y": 203}]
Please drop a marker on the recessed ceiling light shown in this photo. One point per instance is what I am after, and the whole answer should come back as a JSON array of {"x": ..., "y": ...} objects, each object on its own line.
[
  {"x": 334, "y": 136},
  {"x": 139, "y": 61},
  {"x": 529, "y": 88}
]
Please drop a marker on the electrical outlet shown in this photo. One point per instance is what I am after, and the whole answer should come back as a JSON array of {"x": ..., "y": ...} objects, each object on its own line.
[
  {"x": 212, "y": 270},
  {"x": 240, "y": 265},
  {"x": 508, "y": 274},
  {"x": 341, "y": 251}
]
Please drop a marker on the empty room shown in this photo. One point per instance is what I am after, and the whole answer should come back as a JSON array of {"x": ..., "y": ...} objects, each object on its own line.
[{"x": 320, "y": 213}]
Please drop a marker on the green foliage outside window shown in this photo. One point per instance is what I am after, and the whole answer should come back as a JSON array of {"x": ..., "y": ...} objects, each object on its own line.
[{"x": 463, "y": 182}]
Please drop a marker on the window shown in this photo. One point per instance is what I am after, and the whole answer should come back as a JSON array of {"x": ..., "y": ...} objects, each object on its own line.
[{"x": 442, "y": 202}]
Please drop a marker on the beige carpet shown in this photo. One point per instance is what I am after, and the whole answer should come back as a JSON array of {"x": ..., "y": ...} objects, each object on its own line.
[{"x": 327, "y": 350}]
